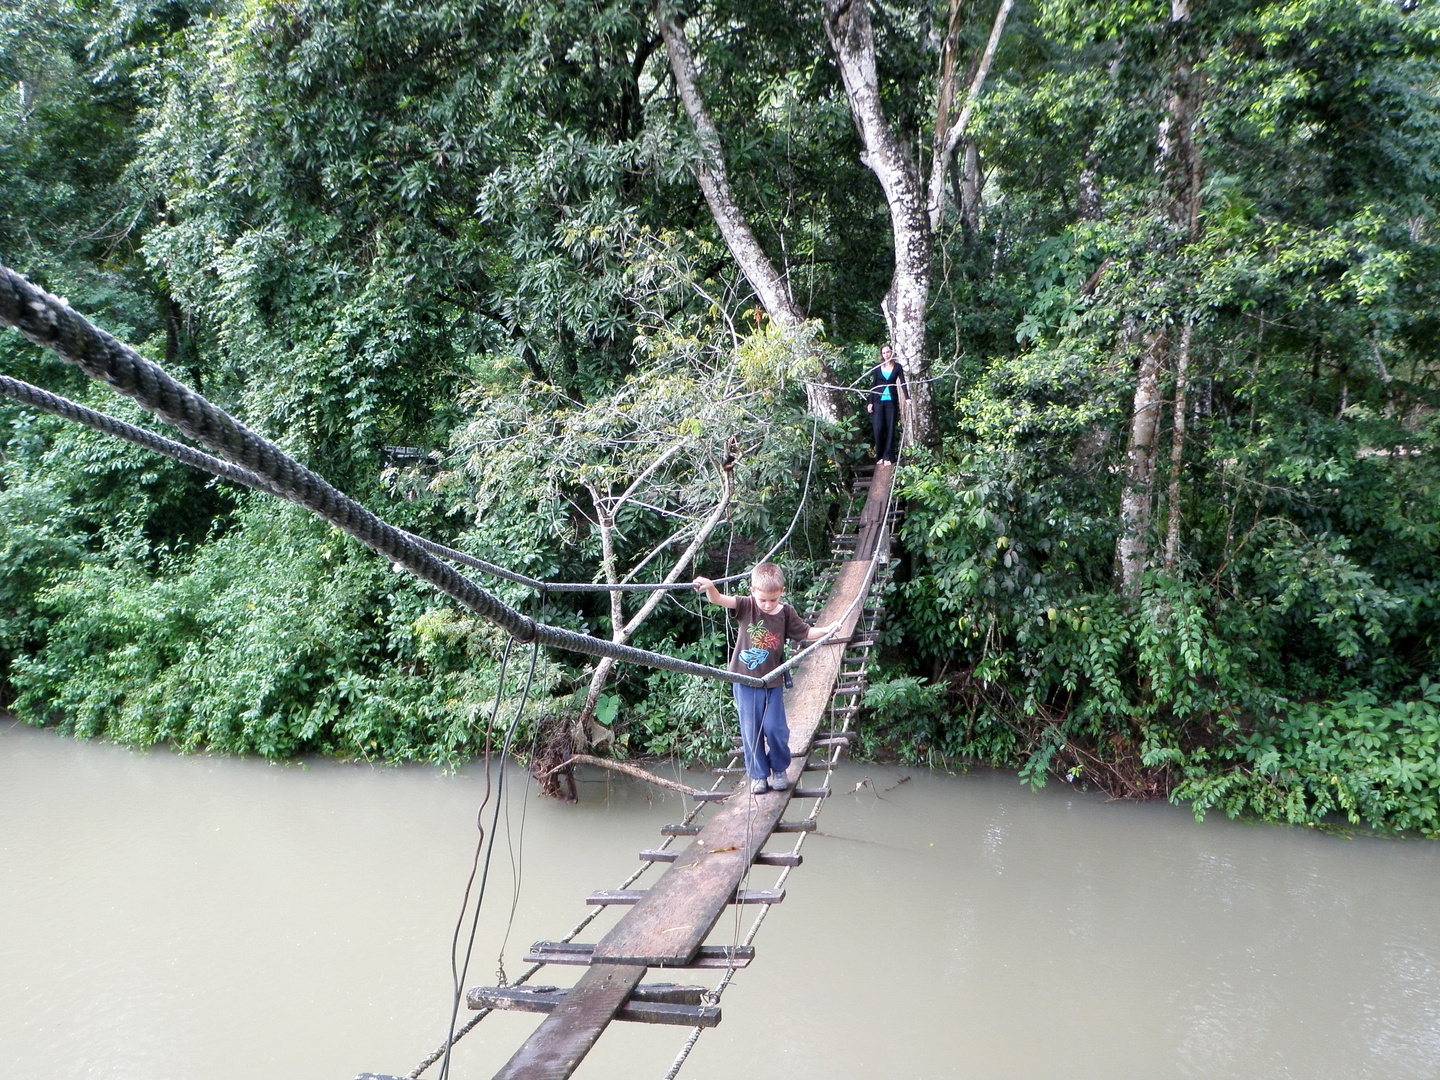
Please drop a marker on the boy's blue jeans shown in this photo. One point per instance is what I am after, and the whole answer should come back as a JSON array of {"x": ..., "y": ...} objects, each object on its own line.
[{"x": 763, "y": 731}]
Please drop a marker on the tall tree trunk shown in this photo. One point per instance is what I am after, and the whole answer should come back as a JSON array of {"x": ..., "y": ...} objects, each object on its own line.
[
  {"x": 1178, "y": 166},
  {"x": 948, "y": 134},
  {"x": 914, "y": 212},
  {"x": 970, "y": 187},
  {"x": 1087, "y": 203},
  {"x": 847, "y": 24},
  {"x": 1137, "y": 499},
  {"x": 1177, "y": 447},
  {"x": 822, "y": 397}
]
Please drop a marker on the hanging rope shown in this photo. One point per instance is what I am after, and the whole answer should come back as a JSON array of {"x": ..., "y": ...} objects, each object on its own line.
[{"x": 489, "y": 850}]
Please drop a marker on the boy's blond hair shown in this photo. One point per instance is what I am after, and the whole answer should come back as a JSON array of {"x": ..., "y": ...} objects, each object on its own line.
[{"x": 767, "y": 575}]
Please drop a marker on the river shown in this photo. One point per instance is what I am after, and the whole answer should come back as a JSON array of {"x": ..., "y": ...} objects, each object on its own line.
[{"x": 172, "y": 917}]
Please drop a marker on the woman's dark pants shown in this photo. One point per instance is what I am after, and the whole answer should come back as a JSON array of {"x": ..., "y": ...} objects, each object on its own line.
[{"x": 883, "y": 423}]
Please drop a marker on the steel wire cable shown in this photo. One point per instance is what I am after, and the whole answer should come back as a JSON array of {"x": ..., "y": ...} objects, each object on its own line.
[
  {"x": 479, "y": 842},
  {"x": 595, "y": 911}
]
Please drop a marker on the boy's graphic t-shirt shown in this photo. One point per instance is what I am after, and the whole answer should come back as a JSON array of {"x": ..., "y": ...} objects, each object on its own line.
[{"x": 760, "y": 648}]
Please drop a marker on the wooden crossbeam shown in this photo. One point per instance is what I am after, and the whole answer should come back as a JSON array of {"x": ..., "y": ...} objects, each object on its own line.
[
  {"x": 805, "y": 825},
  {"x": 570, "y": 952},
  {"x": 604, "y": 897},
  {"x": 561, "y": 1042},
  {"x": 659, "y": 1003},
  {"x": 765, "y": 858}
]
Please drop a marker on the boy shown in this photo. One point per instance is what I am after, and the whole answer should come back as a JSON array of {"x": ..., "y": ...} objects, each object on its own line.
[{"x": 765, "y": 623}]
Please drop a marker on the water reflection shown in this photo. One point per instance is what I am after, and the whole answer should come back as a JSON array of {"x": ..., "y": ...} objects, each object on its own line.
[{"x": 169, "y": 916}]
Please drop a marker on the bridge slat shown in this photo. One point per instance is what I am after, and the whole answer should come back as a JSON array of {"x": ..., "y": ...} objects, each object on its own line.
[{"x": 567, "y": 1034}]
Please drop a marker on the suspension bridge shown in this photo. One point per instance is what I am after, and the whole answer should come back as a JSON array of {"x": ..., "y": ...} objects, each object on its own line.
[{"x": 667, "y": 925}]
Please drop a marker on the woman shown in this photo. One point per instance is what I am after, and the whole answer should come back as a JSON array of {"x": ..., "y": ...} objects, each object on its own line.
[{"x": 887, "y": 381}]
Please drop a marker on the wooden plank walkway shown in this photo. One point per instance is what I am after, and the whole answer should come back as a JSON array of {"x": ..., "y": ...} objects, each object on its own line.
[{"x": 668, "y": 923}]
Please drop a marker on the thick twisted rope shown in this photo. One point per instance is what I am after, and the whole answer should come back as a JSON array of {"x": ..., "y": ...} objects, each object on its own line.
[{"x": 50, "y": 322}]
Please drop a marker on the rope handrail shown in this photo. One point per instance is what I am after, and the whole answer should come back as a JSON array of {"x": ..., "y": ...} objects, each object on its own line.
[
  {"x": 35, "y": 397},
  {"x": 50, "y": 322}
]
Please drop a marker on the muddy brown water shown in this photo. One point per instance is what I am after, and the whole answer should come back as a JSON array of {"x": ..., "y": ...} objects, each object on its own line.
[{"x": 178, "y": 917}]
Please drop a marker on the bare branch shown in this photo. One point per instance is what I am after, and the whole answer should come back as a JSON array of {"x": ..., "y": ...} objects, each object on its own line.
[
  {"x": 946, "y": 142},
  {"x": 621, "y": 767},
  {"x": 716, "y": 516},
  {"x": 645, "y": 474}
]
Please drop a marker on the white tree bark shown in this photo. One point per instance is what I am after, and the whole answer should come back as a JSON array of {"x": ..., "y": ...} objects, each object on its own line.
[
  {"x": 948, "y": 135},
  {"x": 970, "y": 186},
  {"x": 621, "y": 629},
  {"x": 1178, "y": 165},
  {"x": 847, "y": 24},
  {"x": 1177, "y": 447},
  {"x": 1137, "y": 499},
  {"x": 823, "y": 400}
]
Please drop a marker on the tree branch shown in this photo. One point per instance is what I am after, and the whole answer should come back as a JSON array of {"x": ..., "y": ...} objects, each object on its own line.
[
  {"x": 704, "y": 534},
  {"x": 620, "y": 767},
  {"x": 945, "y": 143},
  {"x": 715, "y": 181}
]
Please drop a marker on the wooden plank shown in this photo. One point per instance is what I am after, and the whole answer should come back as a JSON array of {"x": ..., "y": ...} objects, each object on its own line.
[
  {"x": 812, "y": 793},
  {"x": 525, "y": 998},
  {"x": 804, "y": 825},
  {"x": 648, "y": 1009},
  {"x": 572, "y": 953},
  {"x": 779, "y": 858},
  {"x": 657, "y": 1012},
  {"x": 765, "y": 858},
  {"x": 561, "y": 1042},
  {"x": 604, "y": 897}
]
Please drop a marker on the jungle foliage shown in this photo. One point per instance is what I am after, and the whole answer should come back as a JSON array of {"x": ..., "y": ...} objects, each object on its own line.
[{"x": 453, "y": 256}]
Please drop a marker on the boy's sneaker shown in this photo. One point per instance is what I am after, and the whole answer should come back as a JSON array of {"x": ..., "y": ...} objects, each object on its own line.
[
  {"x": 779, "y": 782},
  {"x": 759, "y": 787}
]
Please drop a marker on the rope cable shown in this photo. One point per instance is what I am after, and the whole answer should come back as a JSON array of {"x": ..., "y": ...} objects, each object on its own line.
[{"x": 48, "y": 321}]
